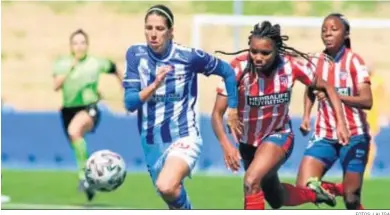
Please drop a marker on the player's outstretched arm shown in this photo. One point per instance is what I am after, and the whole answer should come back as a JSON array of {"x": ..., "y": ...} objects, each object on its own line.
[
  {"x": 227, "y": 73},
  {"x": 219, "y": 110},
  {"x": 309, "y": 99},
  {"x": 306, "y": 75},
  {"x": 111, "y": 68},
  {"x": 342, "y": 131},
  {"x": 210, "y": 65},
  {"x": 231, "y": 155}
]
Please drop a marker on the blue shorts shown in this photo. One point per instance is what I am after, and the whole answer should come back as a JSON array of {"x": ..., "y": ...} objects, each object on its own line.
[
  {"x": 284, "y": 140},
  {"x": 353, "y": 157}
]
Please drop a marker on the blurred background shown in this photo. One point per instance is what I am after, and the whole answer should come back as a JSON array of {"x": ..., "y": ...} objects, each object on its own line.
[{"x": 38, "y": 166}]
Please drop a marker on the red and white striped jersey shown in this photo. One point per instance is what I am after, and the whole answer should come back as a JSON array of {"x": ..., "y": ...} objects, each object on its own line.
[
  {"x": 345, "y": 75},
  {"x": 264, "y": 101}
]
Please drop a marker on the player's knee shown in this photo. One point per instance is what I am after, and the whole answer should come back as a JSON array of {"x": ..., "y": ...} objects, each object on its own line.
[
  {"x": 166, "y": 188},
  {"x": 74, "y": 133},
  {"x": 252, "y": 182}
]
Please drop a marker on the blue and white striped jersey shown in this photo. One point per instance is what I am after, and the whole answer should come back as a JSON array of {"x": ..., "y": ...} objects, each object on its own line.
[{"x": 170, "y": 113}]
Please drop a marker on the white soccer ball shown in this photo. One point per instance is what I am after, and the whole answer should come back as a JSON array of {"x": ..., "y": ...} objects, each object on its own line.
[{"x": 105, "y": 170}]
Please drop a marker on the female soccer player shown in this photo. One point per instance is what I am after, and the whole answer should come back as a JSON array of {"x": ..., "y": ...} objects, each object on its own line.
[
  {"x": 161, "y": 84},
  {"x": 77, "y": 75},
  {"x": 265, "y": 80},
  {"x": 351, "y": 79}
]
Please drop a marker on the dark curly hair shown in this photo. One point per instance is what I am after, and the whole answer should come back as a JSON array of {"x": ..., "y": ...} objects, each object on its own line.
[{"x": 273, "y": 32}]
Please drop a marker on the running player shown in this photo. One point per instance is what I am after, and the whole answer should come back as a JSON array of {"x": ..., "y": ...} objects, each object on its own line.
[
  {"x": 265, "y": 80},
  {"x": 161, "y": 84},
  {"x": 77, "y": 75},
  {"x": 351, "y": 79}
]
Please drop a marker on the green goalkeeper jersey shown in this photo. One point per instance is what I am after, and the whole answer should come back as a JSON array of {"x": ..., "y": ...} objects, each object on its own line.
[{"x": 80, "y": 87}]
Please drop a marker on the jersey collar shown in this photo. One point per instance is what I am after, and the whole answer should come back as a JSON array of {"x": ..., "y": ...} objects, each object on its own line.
[
  {"x": 339, "y": 54},
  {"x": 82, "y": 59},
  {"x": 163, "y": 55}
]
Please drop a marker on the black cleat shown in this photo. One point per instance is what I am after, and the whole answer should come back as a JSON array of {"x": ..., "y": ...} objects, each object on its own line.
[{"x": 89, "y": 192}]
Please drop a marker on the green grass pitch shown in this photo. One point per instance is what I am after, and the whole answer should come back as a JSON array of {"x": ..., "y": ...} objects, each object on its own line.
[{"x": 58, "y": 189}]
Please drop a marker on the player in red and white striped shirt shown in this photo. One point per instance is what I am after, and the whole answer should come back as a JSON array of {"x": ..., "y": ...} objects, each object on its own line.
[
  {"x": 266, "y": 77},
  {"x": 350, "y": 77}
]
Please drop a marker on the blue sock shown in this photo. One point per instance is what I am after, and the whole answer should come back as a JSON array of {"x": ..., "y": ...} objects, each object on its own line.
[{"x": 182, "y": 202}]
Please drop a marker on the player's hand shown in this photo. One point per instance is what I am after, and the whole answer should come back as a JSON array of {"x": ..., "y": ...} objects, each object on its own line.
[
  {"x": 305, "y": 126},
  {"x": 234, "y": 123},
  {"x": 232, "y": 157},
  {"x": 74, "y": 63},
  {"x": 161, "y": 74},
  {"x": 343, "y": 133},
  {"x": 320, "y": 95}
]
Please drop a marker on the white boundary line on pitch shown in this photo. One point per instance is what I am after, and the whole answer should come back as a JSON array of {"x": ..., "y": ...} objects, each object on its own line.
[{"x": 53, "y": 206}]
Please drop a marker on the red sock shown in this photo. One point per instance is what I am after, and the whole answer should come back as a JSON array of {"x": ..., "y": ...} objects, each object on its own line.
[
  {"x": 333, "y": 188},
  {"x": 360, "y": 207},
  {"x": 254, "y": 201},
  {"x": 298, "y": 196}
]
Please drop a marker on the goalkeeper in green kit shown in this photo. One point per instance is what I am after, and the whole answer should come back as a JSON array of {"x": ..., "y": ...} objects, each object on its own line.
[{"x": 77, "y": 75}]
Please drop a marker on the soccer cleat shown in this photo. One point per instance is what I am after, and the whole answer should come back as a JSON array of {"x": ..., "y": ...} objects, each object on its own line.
[
  {"x": 84, "y": 187},
  {"x": 323, "y": 196}
]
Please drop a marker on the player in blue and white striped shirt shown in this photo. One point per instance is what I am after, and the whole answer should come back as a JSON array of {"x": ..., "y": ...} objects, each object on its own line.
[{"x": 161, "y": 84}]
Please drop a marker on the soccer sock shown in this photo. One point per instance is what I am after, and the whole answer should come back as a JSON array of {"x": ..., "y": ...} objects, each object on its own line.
[
  {"x": 297, "y": 196},
  {"x": 354, "y": 206},
  {"x": 254, "y": 201},
  {"x": 182, "y": 202},
  {"x": 333, "y": 188},
  {"x": 80, "y": 150}
]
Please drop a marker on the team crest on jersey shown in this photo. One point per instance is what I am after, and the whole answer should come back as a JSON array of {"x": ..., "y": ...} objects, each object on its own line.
[
  {"x": 284, "y": 80},
  {"x": 269, "y": 100}
]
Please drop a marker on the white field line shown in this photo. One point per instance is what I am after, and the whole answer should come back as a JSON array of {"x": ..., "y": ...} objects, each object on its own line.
[{"x": 52, "y": 206}]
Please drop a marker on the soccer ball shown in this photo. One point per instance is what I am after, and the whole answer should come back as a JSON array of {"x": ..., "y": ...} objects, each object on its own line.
[{"x": 105, "y": 171}]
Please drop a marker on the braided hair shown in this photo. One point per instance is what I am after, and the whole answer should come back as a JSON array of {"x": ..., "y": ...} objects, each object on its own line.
[{"x": 267, "y": 30}]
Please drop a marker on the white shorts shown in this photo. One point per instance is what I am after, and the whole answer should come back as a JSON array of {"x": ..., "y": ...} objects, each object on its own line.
[{"x": 187, "y": 148}]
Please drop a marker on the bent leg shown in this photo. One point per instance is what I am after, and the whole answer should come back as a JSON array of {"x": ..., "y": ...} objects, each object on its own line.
[
  {"x": 353, "y": 158},
  {"x": 268, "y": 158},
  {"x": 319, "y": 156},
  {"x": 169, "y": 183},
  {"x": 79, "y": 125},
  {"x": 180, "y": 159}
]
